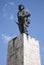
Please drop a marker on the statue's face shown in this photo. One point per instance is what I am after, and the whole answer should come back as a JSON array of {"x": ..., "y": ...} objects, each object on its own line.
[{"x": 21, "y": 7}]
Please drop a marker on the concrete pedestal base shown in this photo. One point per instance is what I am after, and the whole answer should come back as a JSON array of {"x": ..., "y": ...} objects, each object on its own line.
[{"x": 23, "y": 51}]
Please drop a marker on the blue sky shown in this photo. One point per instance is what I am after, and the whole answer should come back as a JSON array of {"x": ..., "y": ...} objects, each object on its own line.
[{"x": 9, "y": 28}]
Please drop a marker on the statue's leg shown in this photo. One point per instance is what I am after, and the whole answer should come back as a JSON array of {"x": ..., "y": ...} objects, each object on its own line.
[
  {"x": 21, "y": 28},
  {"x": 25, "y": 29}
]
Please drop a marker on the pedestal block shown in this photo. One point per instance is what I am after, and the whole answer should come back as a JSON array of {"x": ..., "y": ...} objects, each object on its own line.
[{"x": 23, "y": 50}]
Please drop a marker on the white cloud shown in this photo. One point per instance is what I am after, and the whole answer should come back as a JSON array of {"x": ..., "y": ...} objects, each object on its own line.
[
  {"x": 7, "y": 5},
  {"x": 8, "y": 11},
  {"x": 11, "y": 17},
  {"x": 11, "y": 3},
  {"x": 6, "y": 38}
]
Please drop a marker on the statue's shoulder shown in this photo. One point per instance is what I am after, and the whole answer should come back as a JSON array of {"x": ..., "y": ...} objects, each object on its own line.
[{"x": 20, "y": 13}]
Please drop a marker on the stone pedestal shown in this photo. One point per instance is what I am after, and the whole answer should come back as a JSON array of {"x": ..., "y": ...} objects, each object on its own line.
[{"x": 23, "y": 51}]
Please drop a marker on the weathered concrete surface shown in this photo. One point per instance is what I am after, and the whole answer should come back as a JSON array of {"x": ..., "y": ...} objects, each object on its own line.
[
  {"x": 23, "y": 51},
  {"x": 31, "y": 51}
]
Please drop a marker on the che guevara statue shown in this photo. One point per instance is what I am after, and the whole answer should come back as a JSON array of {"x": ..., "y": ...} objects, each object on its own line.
[{"x": 23, "y": 19}]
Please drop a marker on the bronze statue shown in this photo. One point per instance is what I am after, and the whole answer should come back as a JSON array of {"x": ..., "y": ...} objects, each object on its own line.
[{"x": 23, "y": 20}]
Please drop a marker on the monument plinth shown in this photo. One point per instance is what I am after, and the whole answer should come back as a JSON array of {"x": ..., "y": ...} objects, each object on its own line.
[{"x": 23, "y": 51}]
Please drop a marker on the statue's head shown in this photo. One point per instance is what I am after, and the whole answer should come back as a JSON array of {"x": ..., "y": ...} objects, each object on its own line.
[{"x": 20, "y": 7}]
